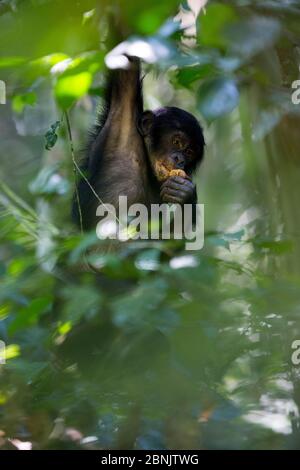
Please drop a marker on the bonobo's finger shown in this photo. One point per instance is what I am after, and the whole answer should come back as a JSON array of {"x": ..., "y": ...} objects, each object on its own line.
[
  {"x": 173, "y": 185},
  {"x": 172, "y": 199},
  {"x": 176, "y": 181},
  {"x": 180, "y": 179},
  {"x": 183, "y": 194},
  {"x": 185, "y": 186},
  {"x": 173, "y": 192}
]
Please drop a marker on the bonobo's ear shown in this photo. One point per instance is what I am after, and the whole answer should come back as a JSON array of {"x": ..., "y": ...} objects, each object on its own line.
[{"x": 145, "y": 123}]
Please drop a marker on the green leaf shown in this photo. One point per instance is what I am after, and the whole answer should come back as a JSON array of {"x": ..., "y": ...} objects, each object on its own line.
[
  {"x": 42, "y": 65},
  {"x": 266, "y": 121},
  {"x": 8, "y": 62},
  {"x": 20, "y": 101},
  {"x": 49, "y": 181},
  {"x": 30, "y": 314},
  {"x": 12, "y": 351},
  {"x": 235, "y": 236},
  {"x": 51, "y": 136},
  {"x": 189, "y": 75},
  {"x": 219, "y": 241},
  {"x": 147, "y": 18},
  {"x": 217, "y": 97},
  {"x": 169, "y": 28},
  {"x": 148, "y": 260},
  {"x": 91, "y": 62},
  {"x": 84, "y": 301},
  {"x": 278, "y": 247},
  {"x": 252, "y": 36},
  {"x": 80, "y": 246},
  {"x": 212, "y": 24},
  {"x": 26, "y": 369},
  {"x": 70, "y": 88},
  {"x": 140, "y": 305}
]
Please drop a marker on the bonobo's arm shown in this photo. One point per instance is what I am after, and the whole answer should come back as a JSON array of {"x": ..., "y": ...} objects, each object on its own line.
[
  {"x": 115, "y": 149},
  {"x": 124, "y": 104}
]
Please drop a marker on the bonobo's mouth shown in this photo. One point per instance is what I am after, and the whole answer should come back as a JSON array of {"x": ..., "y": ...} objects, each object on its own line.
[{"x": 162, "y": 172}]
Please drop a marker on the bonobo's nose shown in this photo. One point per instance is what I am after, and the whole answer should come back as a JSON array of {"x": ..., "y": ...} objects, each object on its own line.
[{"x": 178, "y": 160}]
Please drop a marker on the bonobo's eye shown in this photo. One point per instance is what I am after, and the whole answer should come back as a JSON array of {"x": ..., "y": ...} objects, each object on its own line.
[
  {"x": 189, "y": 153},
  {"x": 177, "y": 142}
]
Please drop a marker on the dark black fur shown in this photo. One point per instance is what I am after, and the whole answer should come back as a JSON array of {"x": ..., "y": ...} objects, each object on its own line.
[{"x": 121, "y": 151}]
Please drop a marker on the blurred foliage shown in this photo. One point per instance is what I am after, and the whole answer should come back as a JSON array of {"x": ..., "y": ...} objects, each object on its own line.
[{"x": 160, "y": 348}]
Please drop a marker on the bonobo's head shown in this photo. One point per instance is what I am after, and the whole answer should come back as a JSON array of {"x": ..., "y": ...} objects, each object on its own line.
[{"x": 174, "y": 140}]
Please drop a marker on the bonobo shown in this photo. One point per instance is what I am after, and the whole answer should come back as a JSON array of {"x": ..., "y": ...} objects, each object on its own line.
[{"x": 132, "y": 152}]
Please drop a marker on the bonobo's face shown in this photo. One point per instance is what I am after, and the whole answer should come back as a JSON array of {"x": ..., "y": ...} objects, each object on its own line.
[{"x": 174, "y": 140}]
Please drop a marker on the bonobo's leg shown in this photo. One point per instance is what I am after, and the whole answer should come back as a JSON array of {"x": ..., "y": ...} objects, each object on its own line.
[{"x": 115, "y": 163}]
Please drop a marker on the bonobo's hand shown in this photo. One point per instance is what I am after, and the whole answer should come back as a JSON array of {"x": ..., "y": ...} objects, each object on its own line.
[{"x": 178, "y": 190}]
